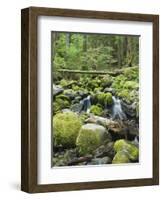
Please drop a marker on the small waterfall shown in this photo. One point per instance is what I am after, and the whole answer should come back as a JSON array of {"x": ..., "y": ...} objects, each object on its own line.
[
  {"x": 136, "y": 141},
  {"x": 86, "y": 104},
  {"x": 117, "y": 111}
]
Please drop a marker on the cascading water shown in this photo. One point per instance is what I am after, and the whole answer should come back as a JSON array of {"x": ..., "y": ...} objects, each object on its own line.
[
  {"x": 117, "y": 112},
  {"x": 86, "y": 104}
]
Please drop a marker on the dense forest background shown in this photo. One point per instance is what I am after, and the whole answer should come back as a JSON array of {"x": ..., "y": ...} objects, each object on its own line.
[{"x": 94, "y": 51}]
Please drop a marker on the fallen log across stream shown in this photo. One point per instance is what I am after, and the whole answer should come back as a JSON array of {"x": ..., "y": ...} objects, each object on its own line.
[{"x": 100, "y": 72}]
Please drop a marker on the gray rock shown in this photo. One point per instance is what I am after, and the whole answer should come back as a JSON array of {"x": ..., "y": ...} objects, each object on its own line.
[
  {"x": 82, "y": 94},
  {"x": 129, "y": 109},
  {"x": 76, "y": 107},
  {"x": 63, "y": 158},
  {"x": 78, "y": 98},
  {"x": 66, "y": 110},
  {"x": 57, "y": 90},
  {"x": 105, "y": 150},
  {"x": 111, "y": 90},
  {"x": 70, "y": 95},
  {"x": 100, "y": 161}
]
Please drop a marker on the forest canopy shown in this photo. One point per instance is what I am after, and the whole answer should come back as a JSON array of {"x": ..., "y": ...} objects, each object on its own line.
[{"x": 94, "y": 51}]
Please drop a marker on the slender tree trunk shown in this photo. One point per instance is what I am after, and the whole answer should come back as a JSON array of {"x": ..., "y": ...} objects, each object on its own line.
[
  {"x": 68, "y": 40},
  {"x": 85, "y": 42}
]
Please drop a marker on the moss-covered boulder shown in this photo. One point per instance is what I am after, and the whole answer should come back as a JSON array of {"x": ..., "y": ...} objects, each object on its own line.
[
  {"x": 121, "y": 157},
  {"x": 92, "y": 83},
  {"x": 60, "y": 102},
  {"x": 63, "y": 83},
  {"x": 106, "y": 81},
  {"x": 108, "y": 98},
  {"x": 83, "y": 116},
  {"x": 90, "y": 137},
  {"x": 66, "y": 127},
  {"x": 131, "y": 150},
  {"x": 71, "y": 94},
  {"x": 75, "y": 87},
  {"x": 104, "y": 98},
  {"x": 98, "y": 89},
  {"x": 100, "y": 97},
  {"x": 67, "y": 83},
  {"x": 96, "y": 110}
]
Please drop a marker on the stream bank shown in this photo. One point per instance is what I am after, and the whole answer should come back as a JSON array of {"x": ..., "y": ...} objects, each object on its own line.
[{"x": 96, "y": 119}]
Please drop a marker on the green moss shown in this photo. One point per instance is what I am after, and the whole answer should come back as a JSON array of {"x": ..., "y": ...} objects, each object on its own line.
[
  {"x": 106, "y": 81},
  {"x": 83, "y": 116},
  {"x": 68, "y": 91},
  {"x": 63, "y": 97},
  {"x": 120, "y": 157},
  {"x": 61, "y": 102},
  {"x": 131, "y": 85},
  {"x": 92, "y": 83},
  {"x": 108, "y": 98},
  {"x": 98, "y": 89},
  {"x": 90, "y": 137},
  {"x": 66, "y": 127},
  {"x": 124, "y": 94},
  {"x": 126, "y": 85},
  {"x": 131, "y": 73},
  {"x": 119, "y": 82},
  {"x": 128, "y": 147},
  {"x": 100, "y": 97},
  {"x": 76, "y": 88},
  {"x": 104, "y": 98},
  {"x": 96, "y": 110},
  {"x": 63, "y": 83}
]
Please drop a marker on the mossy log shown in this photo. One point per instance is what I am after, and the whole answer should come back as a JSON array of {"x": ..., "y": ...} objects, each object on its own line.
[{"x": 110, "y": 72}]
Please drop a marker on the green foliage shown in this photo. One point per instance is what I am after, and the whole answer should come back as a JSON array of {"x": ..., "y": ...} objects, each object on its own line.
[
  {"x": 131, "y": 85},
  {"x": 73, "y": 53},
  {"x": 98, "y": 58},
  {"x": 96, "y": 110},
  {"x": 131, "y": 73},
  {"x": 66, "y": 127},
  {"x": 131, "y": 150},
  {"x": 126, "y": 85},
  {"x": 94, "y": 51},
  {"x": 92, "y": 83},
  {"x": 59, "y": 63},
  {"x": 119, "y": 82}
]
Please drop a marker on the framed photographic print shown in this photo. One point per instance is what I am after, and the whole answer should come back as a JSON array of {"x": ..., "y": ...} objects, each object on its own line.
[{"x": 90, "y": 99}]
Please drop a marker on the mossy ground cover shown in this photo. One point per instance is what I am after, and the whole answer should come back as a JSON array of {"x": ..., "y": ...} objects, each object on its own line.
[{"x": 69, "y": 133}]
